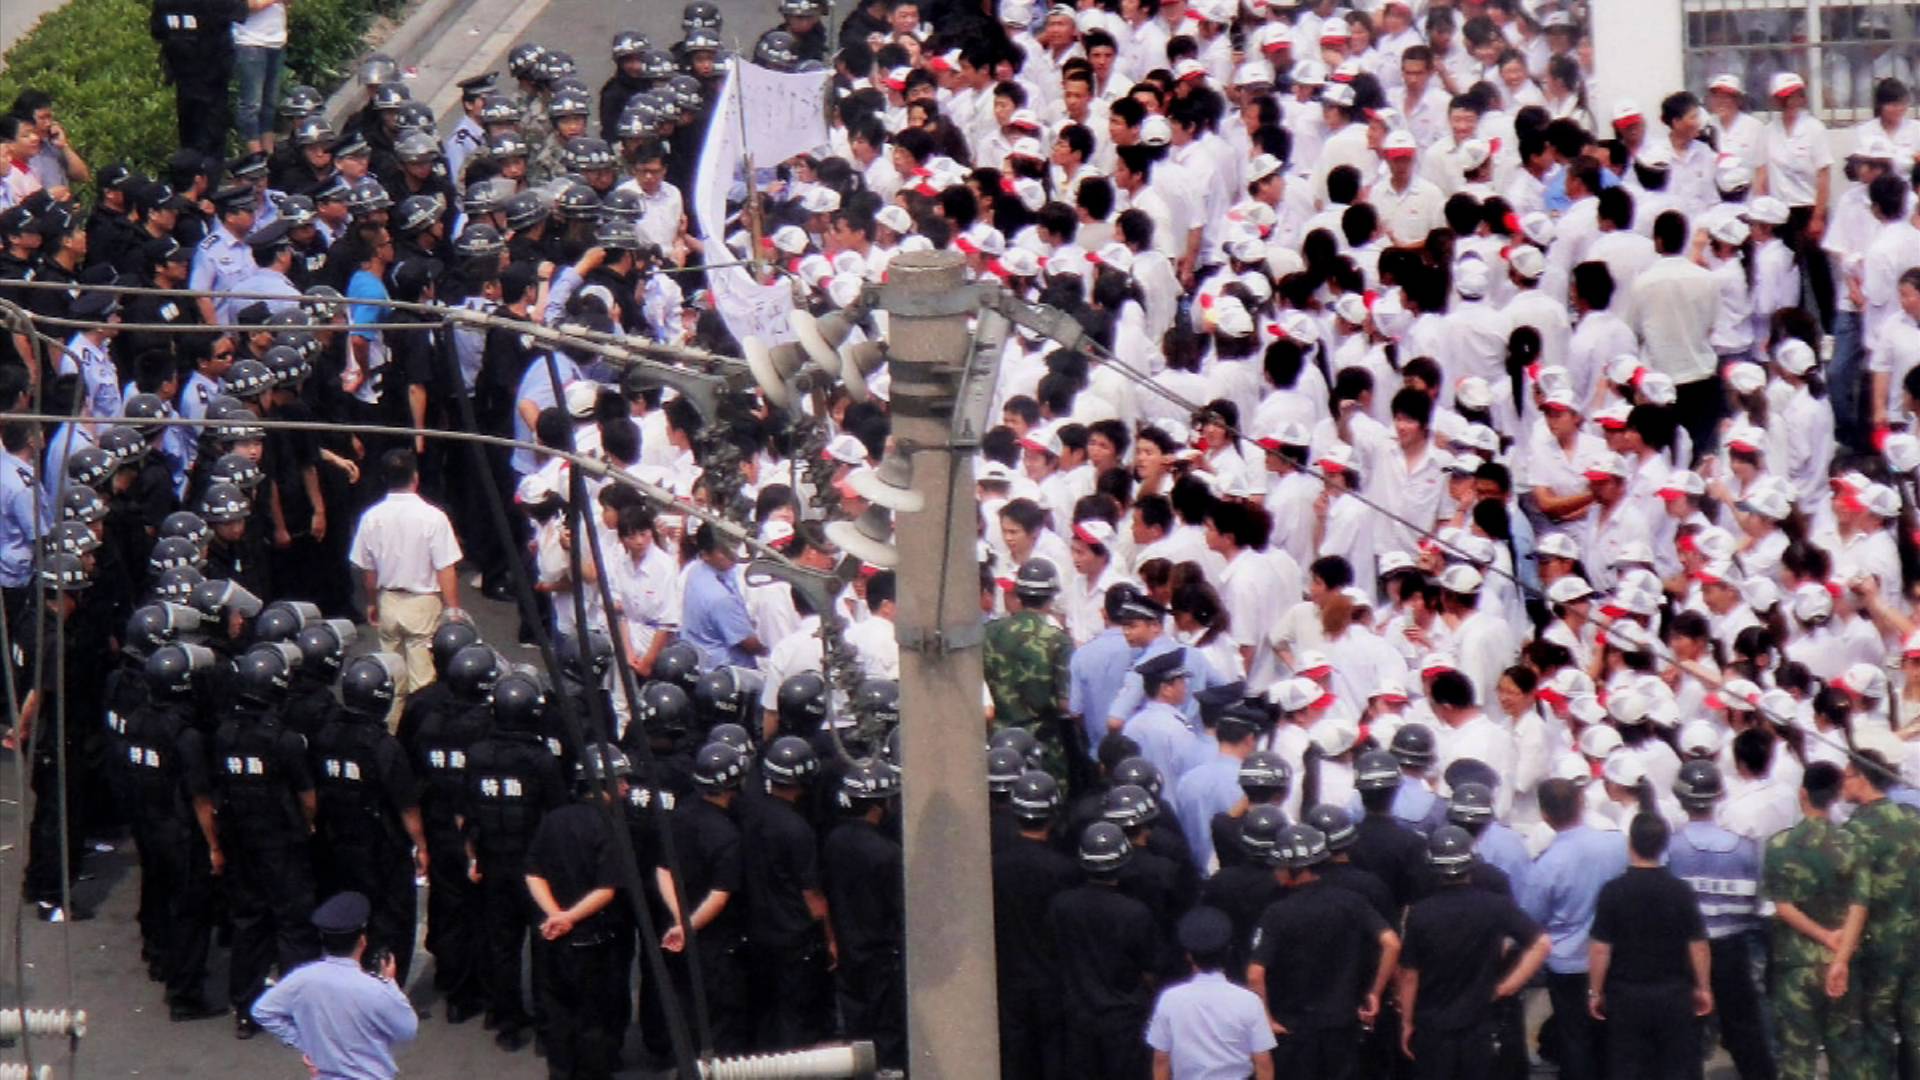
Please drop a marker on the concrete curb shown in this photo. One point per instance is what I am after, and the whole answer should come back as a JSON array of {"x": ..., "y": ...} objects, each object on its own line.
[{"x": 423, "y": 23}]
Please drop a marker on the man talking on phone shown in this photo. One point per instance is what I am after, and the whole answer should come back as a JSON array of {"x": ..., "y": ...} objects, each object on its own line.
[{"x": 342, "y": 1011}]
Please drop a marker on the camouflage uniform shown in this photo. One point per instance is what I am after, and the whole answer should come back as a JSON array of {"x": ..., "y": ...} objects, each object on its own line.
[
  {"x": 1816, "y": 867},
  {"x": 547, "y": 162},
  {"x": 1887, "y": 837},
  {"x": 536, "y": 127},
  {"x": 1025, "y": 660}
]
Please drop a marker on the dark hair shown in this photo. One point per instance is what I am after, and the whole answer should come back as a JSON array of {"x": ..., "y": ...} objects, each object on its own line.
[
  {"x": 399, "y": 468},
  {"x": 1821, "y": 782},
  {"x": 1648, "y": 835},
  {"x": 1559, "y": 801},
  {"x": 1670, "y": 232},
  {"x": 1593, "y": 281},
  {"x": 1333, "y": 571}
]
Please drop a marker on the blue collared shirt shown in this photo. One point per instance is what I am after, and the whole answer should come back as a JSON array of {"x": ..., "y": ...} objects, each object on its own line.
[
  {"x": 714, "y": 617},
  {"x": 344, "y": 1020},
  {"x": 1504, "y": 850},
  {"x": 1563, "y": 887},
  {"x": 1200, "y": 676},
  {"x": 1095, "y": 673},
  {"x": 536, "y": 385},
  {"x": 1164, "y": 739},
  {"x": 1209, "y": 1028},
  {"x": 1212, "y": 787},
  {"x": 19, "y": 523}
]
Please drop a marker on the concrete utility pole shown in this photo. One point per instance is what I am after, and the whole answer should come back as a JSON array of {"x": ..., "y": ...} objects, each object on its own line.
[{"x": 953, "y": 1022}]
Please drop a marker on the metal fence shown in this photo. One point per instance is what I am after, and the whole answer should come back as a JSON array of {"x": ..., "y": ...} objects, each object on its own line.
[{"x": 1843, "y": 48}]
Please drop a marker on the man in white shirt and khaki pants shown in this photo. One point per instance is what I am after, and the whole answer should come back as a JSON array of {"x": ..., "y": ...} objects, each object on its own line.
[{"x": 407, "y": 555}]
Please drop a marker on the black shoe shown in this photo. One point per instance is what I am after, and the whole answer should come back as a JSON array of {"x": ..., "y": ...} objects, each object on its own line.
[
  {"x": 155, "y": 974},
  {"x": 195, "y": 1009},
  {"x": 244, "y": 1028},
  {"x": 54, "y": 913},
  {"x": 458, "y": 1013},
  {"x": 512, "y": 1039},
  {"x": 500, "y": 590}
]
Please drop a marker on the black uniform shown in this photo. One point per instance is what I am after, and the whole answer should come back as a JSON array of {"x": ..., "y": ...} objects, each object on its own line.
[
  {"x": 1027, "y": 875},
  {"x": 289, "y": 457},
  {"x": 1456, "y": 941},
  {"x": 512, "y": 781},
  {"x": 196, "y": 55},
  {"x": 1244, "y": 891},
  {"x": 866, "y": 896},
  {"x": 1651, "y": 919},
  {"x": 125, "y": 696},
  {"x": 1318, "y": 949},
  {"x": 707, "y": 844},
  {"x": 1391, "y": 852},
  {"x": 34, "y": 645},
  {"x": 169, "y": 769},
  {"x": 663, "y": 785},
  {"x": 1109, "y": 948},
  {"x": 1366, "y": 885},
  {"x": 438, "y": 744},
  {"x": 365, "y": 789},
  {"x": 583, "y": 981},
  {"x": 261, "y": 776},
  {"x": 788, "y": 957}
]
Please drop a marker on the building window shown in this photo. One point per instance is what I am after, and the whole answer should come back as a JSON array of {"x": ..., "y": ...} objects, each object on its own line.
[{"x": 1843, "y": 49}]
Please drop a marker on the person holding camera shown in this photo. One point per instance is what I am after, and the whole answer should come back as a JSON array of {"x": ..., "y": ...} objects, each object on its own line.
[{"x": 344, "y": 1018}]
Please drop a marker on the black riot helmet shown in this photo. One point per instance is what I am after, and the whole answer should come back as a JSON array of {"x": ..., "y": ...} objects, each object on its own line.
[
  {"x": 1413, "y": 746},
  {"x": 1260, "y": 828},
  {"x": 586, "y": 661},
  {"x": 519, "y": 702},
  {"x": 186, "y": 525},
  {"x": 700, "y": 15},
  {"x": 1104, "y": 849},
  {"x": 1470, "y": 804},
  {"x": 733, "y": 735},
  {"x": 600, "y": 761},
  {"x": 1698, "y": 785},
  {"x": 263, "y": 673},
  {"x": 370, "y": 683},
  {"x": 152, "y": 626},
  {"x": 678, "y": 663},
  {"x": 1140, "y": 772},
  {"x": 171, "y": 551},
  {"x": 1130, "y": 806},
  {"x": 1336, "y": 824},
  {"x": 82, "y": 504},
  {"x": 665, "y": 710},
  {"x": 790, "y": 760},
  {"x": 472, "y": 673},
  {"x": 1005, "y": 766},
  {"x": 284, "y": 619},
  {"x": 90, "y": 466},
  {"x": 1020, "y": 741},
  {"x": 1035, "y": 797},
  {"x": 727, "y": 695},
  {"x": 449, "y": 640},
  {"x": 171, "y": 668},
  {"x": 802, "y": 702},
  {"x": 1264, "y": 771},
  {"x": 718, "y": 767},
  {"x": 323, "y": 647},
  {"x": 878, "y": 700},
  {"x": 1450, "y": 851},
  {"x": 176, "y": 585},
  {"x": 870, "y": 781}
]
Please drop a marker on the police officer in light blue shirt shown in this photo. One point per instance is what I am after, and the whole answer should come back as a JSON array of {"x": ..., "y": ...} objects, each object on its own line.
[
  {"x": 1562, "y": 890},
  {"x": 223, "y": 257},
  {"x": 1098, "y": 668},
  {"x": 270, "y": 255},
  {"x": 22, "y": 517},
  {"x": 1207, "y": 1028},
  {"x": 1724, "y": 872},
  {"x": 344, "y": 1019},
  {"x": 86, "y": 353},
  {"x": 1142, "y": 620},
  {"x": 1157, "y": 726},
  {"x": 714, "y": 615},
  {"x": 1213, "y": 786}
]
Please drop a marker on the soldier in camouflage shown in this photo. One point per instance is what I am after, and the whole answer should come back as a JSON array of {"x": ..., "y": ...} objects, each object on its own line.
[
  {"x": 568, "y": 112},
  {"x": 1026, "y": 657},
  {"x": 1886, "y": 837},
  {"x": 1812, "y": 874}
]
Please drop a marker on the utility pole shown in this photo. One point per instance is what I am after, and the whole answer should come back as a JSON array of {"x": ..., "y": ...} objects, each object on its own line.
[{"x": 952, "y": 1015}]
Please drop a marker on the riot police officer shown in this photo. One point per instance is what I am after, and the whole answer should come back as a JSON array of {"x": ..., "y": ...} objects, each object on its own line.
[
  {"x": 323, "y": 649},
  {"x": 1265, "y": 778},
  {"x": 1109, "y": 948},
  {"x": 368, "y": 818},
  {"x": 439, "y": 747},
  {"x": 711, "y": 876},
  {"x": 127, "y": 693},
  {"x": 1027, "y": 874},
  {"x": 266, "y": 814},
  {"x": 50, "y": 735},
  {"x": 1385, "y": 845},
  {"x": 866, "y": 898},
  {"x": 1244, "y": 887},
  {"x": 1458, "y": 966},
  {"x": 573, "y": 875},
  {"x": 789, "y": 936},
  {"x": 445, "y": 645},
  {"x": 167, "y": 759},
  {"x": 513, "y": 779}
]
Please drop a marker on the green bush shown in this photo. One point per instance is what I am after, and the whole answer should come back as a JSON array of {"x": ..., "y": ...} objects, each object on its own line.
[{"x": 94, "y": 57}]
